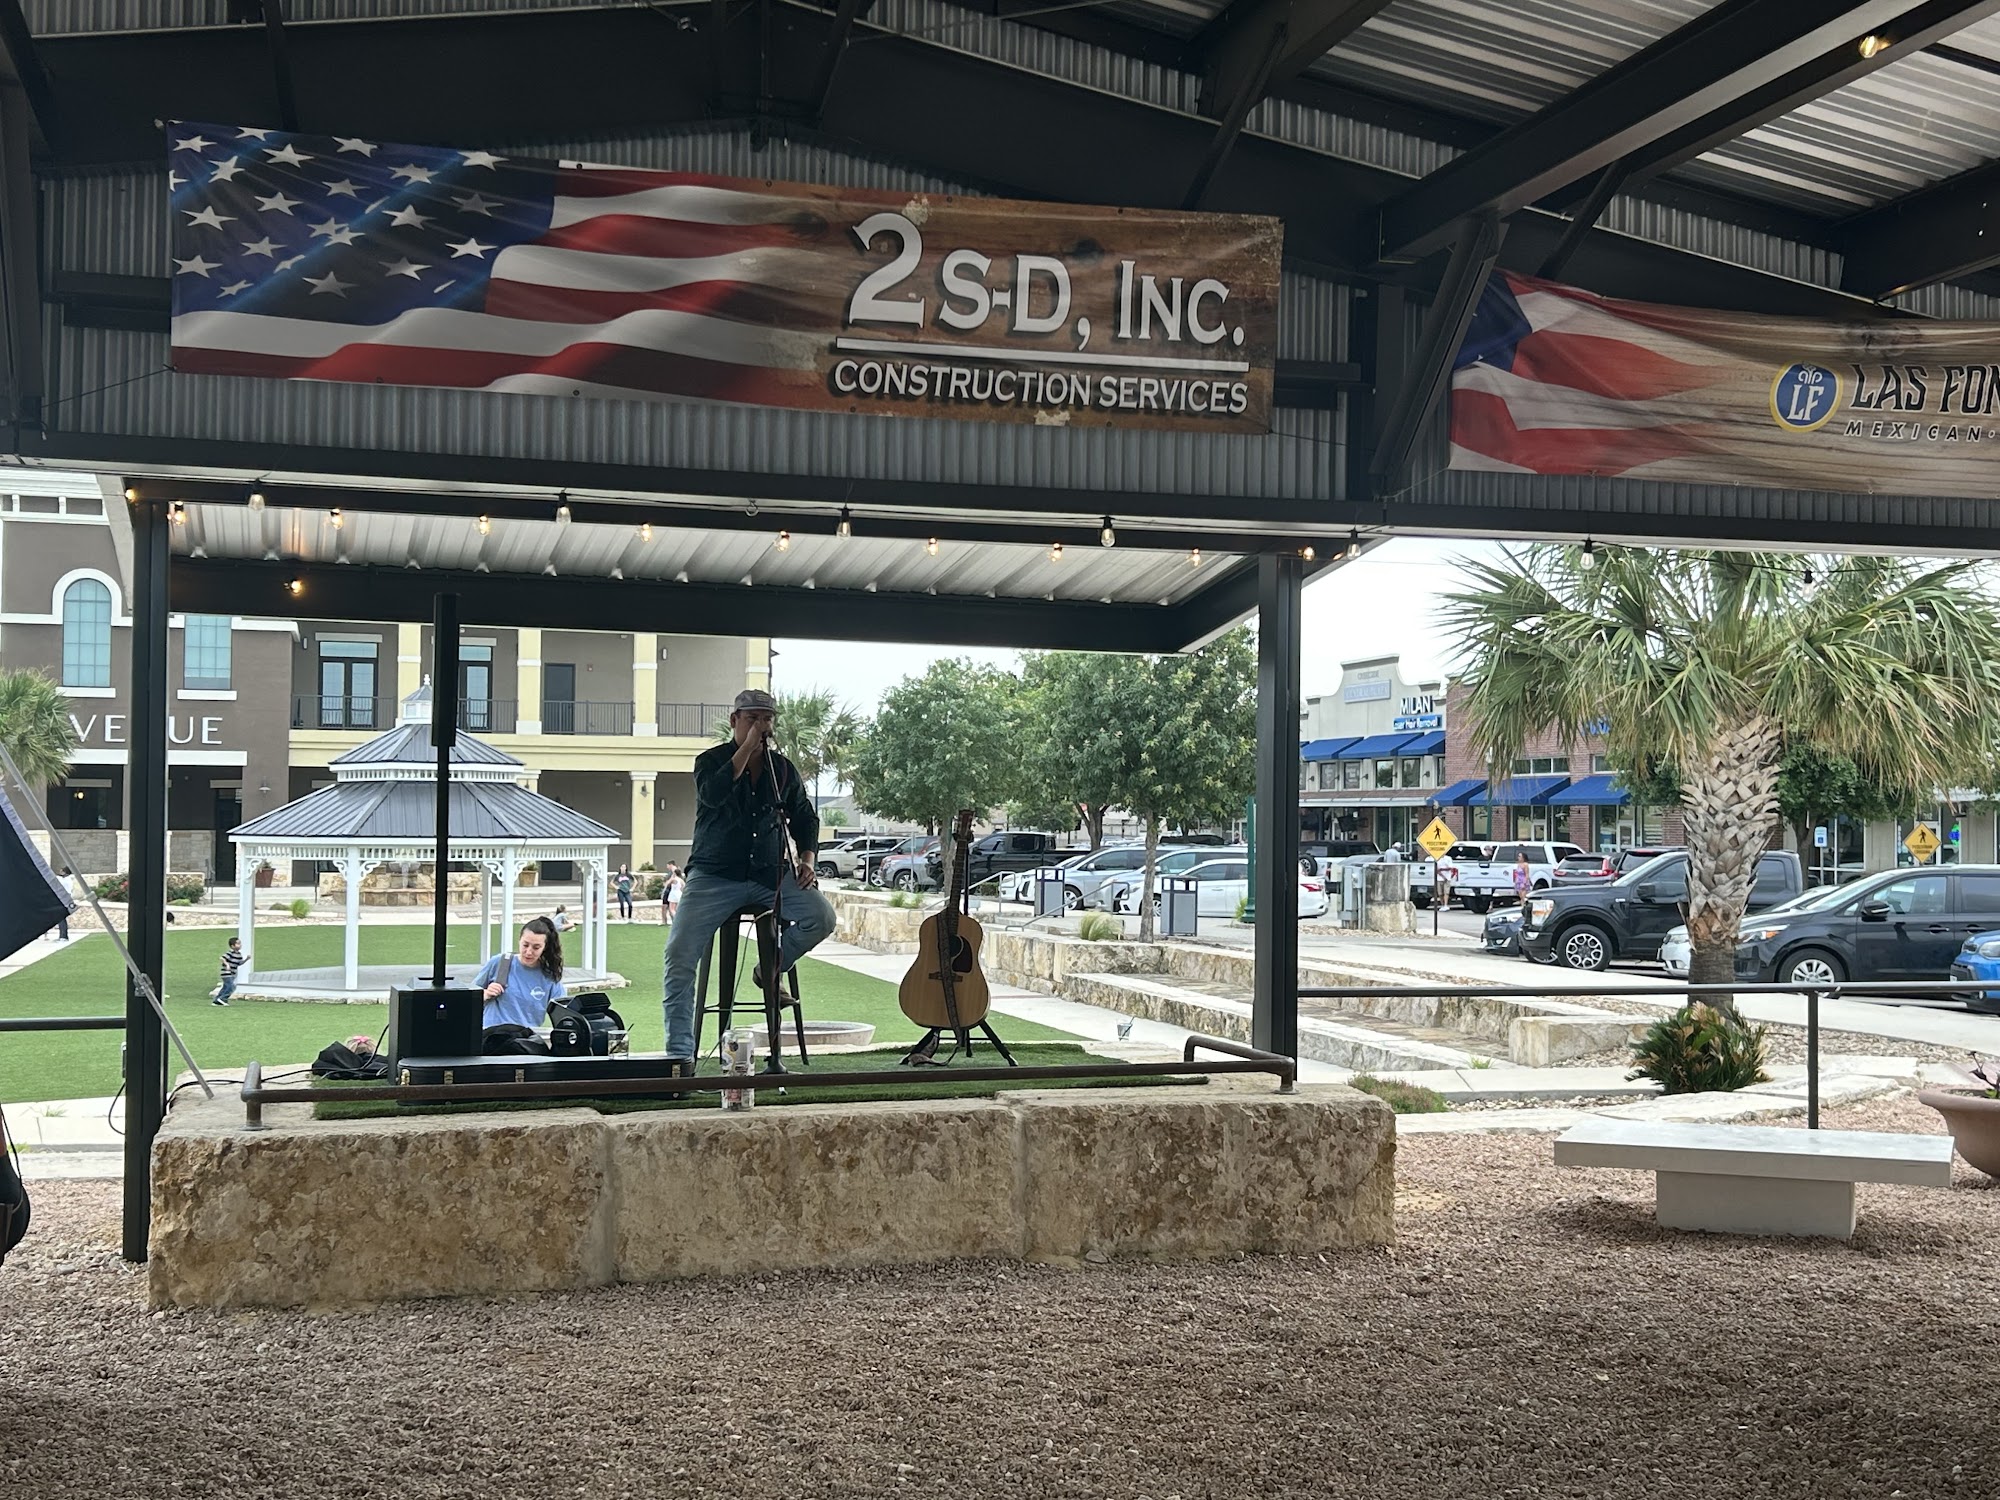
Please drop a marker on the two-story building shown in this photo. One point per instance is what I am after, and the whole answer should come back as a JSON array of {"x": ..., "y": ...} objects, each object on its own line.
[
  {"x": 1371, "y": 756},
  {"x": 607, "y": 722}
]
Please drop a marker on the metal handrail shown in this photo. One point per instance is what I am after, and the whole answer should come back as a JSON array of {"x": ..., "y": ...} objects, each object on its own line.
[
  {"x": 62, "y": 1023},
  {"x": 1240, "y": 1059},
  {"x": 1813, "y": 994}
]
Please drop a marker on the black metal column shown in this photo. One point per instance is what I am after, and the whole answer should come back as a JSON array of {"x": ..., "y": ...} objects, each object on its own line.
[
  {"x": 1274, "y": 1017},
  {"x": 444, "y": 733},
  {"x": 146, "y": 793}
]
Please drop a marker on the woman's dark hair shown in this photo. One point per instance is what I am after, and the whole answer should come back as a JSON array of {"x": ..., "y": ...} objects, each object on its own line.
[{"x": 551, "y": 964}]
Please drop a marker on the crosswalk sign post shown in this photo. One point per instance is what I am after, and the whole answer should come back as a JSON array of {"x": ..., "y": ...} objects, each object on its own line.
[
  {"x": 1437, "y": 840},
  {"x": 1922, "y": 843}
]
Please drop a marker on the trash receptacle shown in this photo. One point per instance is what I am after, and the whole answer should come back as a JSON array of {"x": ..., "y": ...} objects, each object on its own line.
[
  {"x": 1048, "y": 885},
  {"x": 1180, "y": 906}
]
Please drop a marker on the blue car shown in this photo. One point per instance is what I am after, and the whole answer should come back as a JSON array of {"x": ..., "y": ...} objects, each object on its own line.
[{"x": 1980, "y": 959}]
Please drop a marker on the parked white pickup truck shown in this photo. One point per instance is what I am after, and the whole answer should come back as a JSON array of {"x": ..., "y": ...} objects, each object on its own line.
[
  {"x": 1485, "y": 884},
  {"x": 1424, "y": 872}
]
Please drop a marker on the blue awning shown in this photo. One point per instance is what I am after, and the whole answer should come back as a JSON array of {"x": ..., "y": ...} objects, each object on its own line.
[
  {"x": 1520, "y": 791},
  {"x": 1376, "y": 744},
  {"x": 1459, "y": 792},
  {"x": 1593, "y": 791},
  {"x": 1429, "y": 743},
  {"x": 1325, "y": 749}
]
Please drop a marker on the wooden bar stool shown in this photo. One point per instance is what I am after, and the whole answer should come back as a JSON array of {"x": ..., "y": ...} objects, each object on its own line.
[{"x": 774, "y": 1004}]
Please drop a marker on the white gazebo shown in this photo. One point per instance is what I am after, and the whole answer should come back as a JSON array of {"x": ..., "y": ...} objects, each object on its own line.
[{"x": 382, "y": 809}]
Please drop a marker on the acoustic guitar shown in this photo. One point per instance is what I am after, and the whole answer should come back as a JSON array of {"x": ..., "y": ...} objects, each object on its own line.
[{"x": 944, "y": 990}]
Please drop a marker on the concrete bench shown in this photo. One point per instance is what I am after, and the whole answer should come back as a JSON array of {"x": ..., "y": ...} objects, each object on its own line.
[{"x": 1750, "y": 1179}]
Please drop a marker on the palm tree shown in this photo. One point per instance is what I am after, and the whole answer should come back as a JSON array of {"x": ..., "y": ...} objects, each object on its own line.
[
  {"x": 1710, "y": 662},
  {"x": 817, "y": 733},
  {"x": 35, "y": 725}
]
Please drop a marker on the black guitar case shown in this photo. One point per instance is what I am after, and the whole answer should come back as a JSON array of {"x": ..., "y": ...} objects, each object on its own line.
[{"x": 13, "y": 1196}]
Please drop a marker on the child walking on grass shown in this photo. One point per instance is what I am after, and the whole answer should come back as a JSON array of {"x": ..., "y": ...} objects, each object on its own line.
[{"x": 233, "y": 960}]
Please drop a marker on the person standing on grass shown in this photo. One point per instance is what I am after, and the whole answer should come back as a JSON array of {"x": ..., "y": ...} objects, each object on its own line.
[
  {"x": 233, "y": 960},
  {"x": 624, "y": 887},
  {"x": 670, "y": 895}
]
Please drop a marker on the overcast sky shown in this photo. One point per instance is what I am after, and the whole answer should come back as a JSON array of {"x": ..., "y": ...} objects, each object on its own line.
[{"x": 1379, "y": 605}]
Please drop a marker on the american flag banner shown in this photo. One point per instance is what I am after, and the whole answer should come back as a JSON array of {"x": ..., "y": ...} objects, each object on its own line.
[
  {"x": 301, "y": 257},
  {"x": 1554, "y": 380}
]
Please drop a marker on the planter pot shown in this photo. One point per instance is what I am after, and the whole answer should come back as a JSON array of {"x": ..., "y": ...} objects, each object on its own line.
[
  {"x": 1974, "y": 1124},
  {"x": 265, "y": 879}
]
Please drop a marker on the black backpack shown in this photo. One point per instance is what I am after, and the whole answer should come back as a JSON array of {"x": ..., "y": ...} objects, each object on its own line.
[{"x": 341, "y": 1061}]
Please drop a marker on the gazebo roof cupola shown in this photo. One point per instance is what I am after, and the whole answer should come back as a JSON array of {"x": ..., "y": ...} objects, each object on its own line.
[{"x": 406, "y": 753}]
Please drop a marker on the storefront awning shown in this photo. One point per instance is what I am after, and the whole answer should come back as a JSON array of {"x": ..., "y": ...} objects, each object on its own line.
[
  {"x": 1325, "y": 749},
  {"x": 1431, "y": 742},
  {"x": 1593, "y": 791},
  {"x": 1520, "y": 791},
  {"x": 1460, "y": 792},
  {"x": 1377, "y": 744}
]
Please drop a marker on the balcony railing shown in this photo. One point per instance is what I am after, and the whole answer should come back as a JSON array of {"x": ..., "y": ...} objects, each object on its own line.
[
  {"x": 331, "y": 711},
  {"x": 700, "y": 721},
  {"x": 488, "y": 715},
  {"x": 560, "y": 716}
]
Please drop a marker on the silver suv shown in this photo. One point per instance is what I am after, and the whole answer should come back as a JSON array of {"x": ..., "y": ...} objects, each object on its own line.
[{"x": 845, "y": 859}]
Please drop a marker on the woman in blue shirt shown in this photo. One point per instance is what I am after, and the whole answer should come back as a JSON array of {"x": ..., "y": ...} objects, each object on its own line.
[{"x": 532, "y": 979}]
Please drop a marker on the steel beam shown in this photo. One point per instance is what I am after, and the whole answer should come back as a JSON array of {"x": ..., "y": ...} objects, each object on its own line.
[
  {"x": 1586, "y": 215},
  {"x": 1255, "y": 43},
  {"x": 1274, "y": 1006},
  {"x": 146, "y": 921},
  {"x": 21, "y": 65},
  {"x": 844, "y": 17},
  {"x": 1472, "y": 260},
  {"x": 20, "y": 273},
  {"x": 1707, "y": 65},
  {"x": 1941, "y": 234}
]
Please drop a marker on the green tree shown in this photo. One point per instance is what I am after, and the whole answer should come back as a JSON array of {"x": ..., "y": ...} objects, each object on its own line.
[
  {"x": 1815, "y": 787},
  {"x": 940, "y": 742},
  {"x": 816, "y": 732},
  {"x": 35, "y": 725},
  {"x": 1072, "y": 705},
  {"x": 1712, "y": 661}
]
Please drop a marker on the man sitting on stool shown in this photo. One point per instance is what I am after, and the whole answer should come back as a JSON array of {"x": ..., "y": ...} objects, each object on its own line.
[{"x": 738, "y": 858}]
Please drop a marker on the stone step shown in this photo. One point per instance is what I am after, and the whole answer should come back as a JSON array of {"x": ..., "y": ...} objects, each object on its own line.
[{"x": 1219, "y": 1010}]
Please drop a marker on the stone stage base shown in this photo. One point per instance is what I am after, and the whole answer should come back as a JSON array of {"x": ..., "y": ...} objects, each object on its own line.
[
  {"x": 329, "y": 985},
  {"x": 338, "y": 1213}
]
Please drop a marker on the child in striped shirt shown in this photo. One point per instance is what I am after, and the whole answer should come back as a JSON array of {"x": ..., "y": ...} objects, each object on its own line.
[{"x": 233, "y": 959}]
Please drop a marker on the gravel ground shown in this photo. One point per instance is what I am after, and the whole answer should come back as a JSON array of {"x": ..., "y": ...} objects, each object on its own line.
[{"x": 1546, "y": 1340}]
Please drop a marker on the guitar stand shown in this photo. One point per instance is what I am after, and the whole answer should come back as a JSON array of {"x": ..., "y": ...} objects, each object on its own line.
[{"x": 925, "y": 1052}]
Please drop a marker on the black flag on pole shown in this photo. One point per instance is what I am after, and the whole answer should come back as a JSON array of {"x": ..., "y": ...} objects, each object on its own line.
[{"x": 33, "y": 898}]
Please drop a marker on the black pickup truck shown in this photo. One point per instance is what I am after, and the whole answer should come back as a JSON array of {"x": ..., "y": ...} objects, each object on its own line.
[
  {"x": 1589, "y": 926},
  {"x": 999, "y": 852}
]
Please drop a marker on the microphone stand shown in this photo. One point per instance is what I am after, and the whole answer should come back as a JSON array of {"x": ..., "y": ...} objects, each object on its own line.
[{"x": 773, "y": 1021}]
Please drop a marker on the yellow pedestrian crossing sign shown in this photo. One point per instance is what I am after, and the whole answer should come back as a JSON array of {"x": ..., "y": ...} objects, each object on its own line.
[
  {"x": 1437, "y": 838},
  {"x": 1922, "y": 842}
]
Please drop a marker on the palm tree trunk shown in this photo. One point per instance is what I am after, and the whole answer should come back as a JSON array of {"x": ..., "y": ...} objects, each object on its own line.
[
  {"x": 1730, "y": 800},
  {"x": 1146, "y": 884}
]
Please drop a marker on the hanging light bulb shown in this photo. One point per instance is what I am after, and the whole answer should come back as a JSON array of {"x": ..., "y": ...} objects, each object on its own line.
[
  {"x": 1194, "y": 557},
  {"x": 295, "y": 587},
  {"x": 846, "y": 527},
  {"x": 562, "y": 513},
  {"x": 132, "y": 497},
  {"x": 177, "y": 513},
  {"x": 485, "y": 525},
  {"x": 1108, "y": 537},
  {"x": 1873, "y": 45},
  {"x": 784, "y": 541},
  {"x": 1809, "y": 575},
  {"x": 1307, "y": 552},
  {"x": 256, "y": 499},
  {"x": 645, "y": 531},
  {"x": 931, "y": 546},
  {"x": 336, "y": 518},
  {"x": 1587, "y": 560},
  {"x": 1353, "y": 545},
  {"x": 1055, "y": 552}
]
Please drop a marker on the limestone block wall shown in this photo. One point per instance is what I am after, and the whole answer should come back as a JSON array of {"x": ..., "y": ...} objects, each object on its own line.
[{"x": 469, "y": 1205}]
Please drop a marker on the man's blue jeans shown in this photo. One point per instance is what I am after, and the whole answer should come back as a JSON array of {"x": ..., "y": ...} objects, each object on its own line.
[{"x": 705, "y": 905}]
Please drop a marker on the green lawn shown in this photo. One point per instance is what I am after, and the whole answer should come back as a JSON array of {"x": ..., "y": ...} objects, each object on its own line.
[{"x": 87, "y": 979}]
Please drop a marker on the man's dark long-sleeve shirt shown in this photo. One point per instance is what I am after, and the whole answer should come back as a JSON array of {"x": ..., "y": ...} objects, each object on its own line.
[{"x": 737, "y": 831}]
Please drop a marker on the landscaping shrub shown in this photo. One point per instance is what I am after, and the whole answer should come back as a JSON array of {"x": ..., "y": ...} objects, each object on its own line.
[
  {"x": 181, "y": 889},
  {"x": 1100, "y": 927},
  {"x": 1403, "y": 1098},
  {"x": 301, "y": 908},
  {"x": 651, "y": 887},
  {"x": 1242, "y": 905},
  {"x": 1699, "y": 1049},
  {"x": 114, "y": 888}
]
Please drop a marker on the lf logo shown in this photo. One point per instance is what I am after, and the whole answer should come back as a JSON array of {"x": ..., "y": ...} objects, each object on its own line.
[{"x": 1803, "y": 397}]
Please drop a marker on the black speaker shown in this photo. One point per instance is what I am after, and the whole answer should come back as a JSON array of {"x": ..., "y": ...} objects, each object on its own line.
[{"x": 428, "y": 1022}]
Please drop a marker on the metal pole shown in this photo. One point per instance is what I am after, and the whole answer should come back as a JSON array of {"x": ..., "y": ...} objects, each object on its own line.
[
  {"x": 444, "y": 732},
  {"x": 1274, "y": 1014},
  {"x": 146, "y": 921},
  {"x": 1812, "y": 1059}
]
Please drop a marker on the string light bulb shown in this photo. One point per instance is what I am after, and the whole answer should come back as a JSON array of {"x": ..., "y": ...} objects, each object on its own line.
[
  {"x": 1307, "y": 552},
  {"x": 336, "y": 518},
  {"x": 132, "y": 497},
  {"x": 1108, "y": 537},
  {"x": 1194, "y": 557},
  {"x": 1874, "y": 44},
  {"x": 295, "y": 587},
  {"x": 177, "y": 513},
  {"x": 1809, "y": 575},
  {"x": 931, "y": 546},
  {"x": 784, "y": 541},
  {"x": 645, "y": 531},
  {"x": 1587, "y": 559},
  {"x": 1353, "y": 545},
  {"x": 562, "y": 513},
  {"x": 256, "y": 499},
  {"x": 846, "y": 527},
  {"x": 1055, "y": 552},
  {"x": 485, "y": 525}
]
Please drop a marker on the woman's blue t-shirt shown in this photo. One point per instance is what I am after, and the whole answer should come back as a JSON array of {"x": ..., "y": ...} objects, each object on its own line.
[{"x": 525, "y": 1001}]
